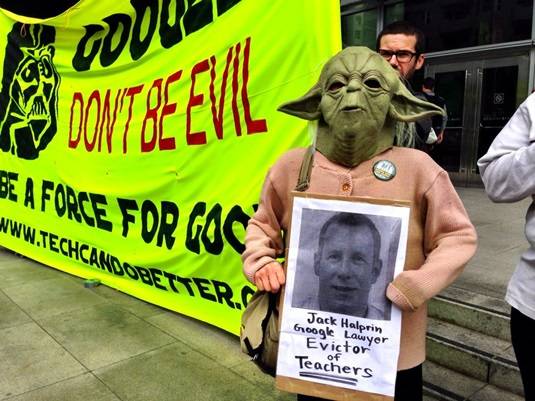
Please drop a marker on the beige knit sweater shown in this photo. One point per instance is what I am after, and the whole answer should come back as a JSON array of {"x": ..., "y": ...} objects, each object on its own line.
[{"x": 441, "y": 237}]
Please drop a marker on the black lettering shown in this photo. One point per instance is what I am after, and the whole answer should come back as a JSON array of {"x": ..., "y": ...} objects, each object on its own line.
[
  {"x": 47, "y": 185},
  {"x": 171, "y": 279},
  {"x": 170, "y": 35},
  {"x": 83, "y": 248},
  {"x": 198, "y": 15},
  {"x": 53, "y": 242},
  {"x": 12, "y": 196},
  {"x": 4, "y": 224},
  {"x": 167, "y": 228},
  {"x": 125, "y": 205},
  {"x": 236, "y": 214},
  {"x": 203, "y": 285},
  {"x": 96, "y": 201},
  {"x": 176, "y": 20},
  {"x": 63, "y": 246},
  {"x": 59, "y": 200},
  {"x": 144, "y": 274},
  {"x": 246, "y": 294},
  {"x": 4, "y": 184},
  {"x": 156, "y": 275},
  {"x": 104, "y": 261},
  {"x": 74, "y": 248},
  {"x": 116, "y": 266},
  {"x": 186, "y": 283},
  {"x": 224, "y": 292},
  {"x": 224, "y": 5},
  {"x": 93, "y": 259},
  {"x": 44, "y": 234},
  {"x": 83, "y": 197},
  {"x": 302, "y": 361},
  {"x": 139, "y": 46},
  {"x": 80, "y": 61},
  {"x": 130, "y": 271},
  {"x": 15, "y": 227},
  {"x": 29, "y": 234},
  {"x": 28, "y": 194},
  {"x": 116, "y": 22},
  {"x": 148, "y": 209},
  {"x": 216, "y": 246},
  {"x": 192, "y": 242},
  {"x": 72, "y": 205}
]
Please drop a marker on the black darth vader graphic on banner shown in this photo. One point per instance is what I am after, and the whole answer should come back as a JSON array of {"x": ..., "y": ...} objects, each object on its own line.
[{"x": 29, "y": 95}]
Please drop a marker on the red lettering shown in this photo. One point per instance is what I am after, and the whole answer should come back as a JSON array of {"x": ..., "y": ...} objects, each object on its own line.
[
  {"x": 103, "y": 114},
  {"x": 168, "y": 108},
  {"x": 195, "y": 138},
  {"x": 152, "y": 114},
  {"x": 76, "y": 98},
  {"x": 106, "y": 120},
  {"x": 253, "y": 126},
  {"x": 94, "y": 97},
  {"x": 217, "y": 115},
  {"x": 235, "y": 112},
  {"x": 132, "y": 92}
]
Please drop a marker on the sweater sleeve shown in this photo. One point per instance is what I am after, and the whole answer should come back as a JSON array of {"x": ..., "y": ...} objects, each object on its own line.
[
  {"x": 450, "y": 240},
  {"x": 263, "y": 237},
  {"x": 508, "y": 167}
]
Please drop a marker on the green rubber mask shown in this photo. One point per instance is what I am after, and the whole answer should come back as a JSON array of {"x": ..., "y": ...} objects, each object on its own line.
[{"x": 357, "y": 100}]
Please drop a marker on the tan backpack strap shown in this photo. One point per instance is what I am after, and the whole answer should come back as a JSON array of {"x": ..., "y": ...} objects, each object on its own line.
[{"x": 303, "y": 182}]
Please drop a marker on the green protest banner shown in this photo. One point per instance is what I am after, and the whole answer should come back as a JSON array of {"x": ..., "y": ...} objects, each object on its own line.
[{"x": 135, "y": 137}]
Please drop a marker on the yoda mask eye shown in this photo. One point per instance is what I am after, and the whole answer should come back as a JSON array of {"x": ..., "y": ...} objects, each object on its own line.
[{"x": 356, "y": 101}]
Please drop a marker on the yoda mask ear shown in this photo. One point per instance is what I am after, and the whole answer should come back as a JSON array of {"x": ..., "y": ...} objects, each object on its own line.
[
  {"x": 406, "y": 107},
  {"x": 306, "y": 107},
  {"x": 356, "y": 101}
]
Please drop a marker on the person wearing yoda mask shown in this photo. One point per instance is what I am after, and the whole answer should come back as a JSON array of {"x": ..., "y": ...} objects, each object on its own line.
[{"x": 356, "y": 101}]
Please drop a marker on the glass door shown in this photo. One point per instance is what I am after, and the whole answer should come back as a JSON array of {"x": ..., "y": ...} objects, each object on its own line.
[
  {"x": 481, "y": 96},
  {"x": 452, "y": 85},
  {"x": 498, "y": 103}
]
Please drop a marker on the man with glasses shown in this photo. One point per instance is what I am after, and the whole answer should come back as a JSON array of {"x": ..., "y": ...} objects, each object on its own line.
[{"x": 402, "y": 45}]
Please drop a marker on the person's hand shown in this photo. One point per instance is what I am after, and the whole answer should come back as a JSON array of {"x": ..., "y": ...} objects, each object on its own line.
[{"x": 270, "y": 277}]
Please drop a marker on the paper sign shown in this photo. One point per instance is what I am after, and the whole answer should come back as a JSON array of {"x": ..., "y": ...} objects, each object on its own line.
[{"x": 338, "y": 328}]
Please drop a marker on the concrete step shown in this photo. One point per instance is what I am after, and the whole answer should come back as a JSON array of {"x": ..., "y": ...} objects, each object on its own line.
[
  {"x": 485, "y": 358},
  {"x": 443, "y": 384},
  {"x": 473, "y": 311}
]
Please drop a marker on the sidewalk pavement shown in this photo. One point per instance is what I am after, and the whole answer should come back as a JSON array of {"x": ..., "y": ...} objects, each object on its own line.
[
  {"x": 60, "y": 341},
  {"x": 500, "y": 228}
]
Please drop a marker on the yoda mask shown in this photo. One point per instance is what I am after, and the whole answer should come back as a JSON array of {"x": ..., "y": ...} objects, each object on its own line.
[{"x": 357, "y": 101}]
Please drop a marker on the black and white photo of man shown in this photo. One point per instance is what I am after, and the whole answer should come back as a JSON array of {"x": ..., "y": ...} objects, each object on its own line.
[{"x": 347, "y": 263}]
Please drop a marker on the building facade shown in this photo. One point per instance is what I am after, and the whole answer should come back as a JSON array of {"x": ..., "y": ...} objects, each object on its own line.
[{"x": 481, "y": 54}]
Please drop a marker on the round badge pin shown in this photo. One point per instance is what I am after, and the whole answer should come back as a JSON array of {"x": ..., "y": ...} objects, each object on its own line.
[{"x": 384, "y": 170}]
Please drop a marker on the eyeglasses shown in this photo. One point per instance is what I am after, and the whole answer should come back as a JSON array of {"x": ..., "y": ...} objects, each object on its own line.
[{"x": 403, "y": 56}]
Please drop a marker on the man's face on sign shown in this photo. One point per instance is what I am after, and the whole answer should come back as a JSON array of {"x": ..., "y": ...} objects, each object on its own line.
[
  {"x": 406, "y": 61},
  {"x": 347, "y": 267}
]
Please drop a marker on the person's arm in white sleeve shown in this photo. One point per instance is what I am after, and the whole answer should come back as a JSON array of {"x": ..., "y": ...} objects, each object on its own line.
[{"x": 508, "y": 167}]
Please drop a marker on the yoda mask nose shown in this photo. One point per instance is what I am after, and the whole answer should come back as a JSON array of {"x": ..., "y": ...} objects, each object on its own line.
[{"x": 356, "y": 101}]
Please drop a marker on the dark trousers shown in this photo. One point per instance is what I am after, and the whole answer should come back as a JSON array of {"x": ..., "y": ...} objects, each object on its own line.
[
  {"x": 409, "y": 385},
  {"x": 522, "y": 333}
]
